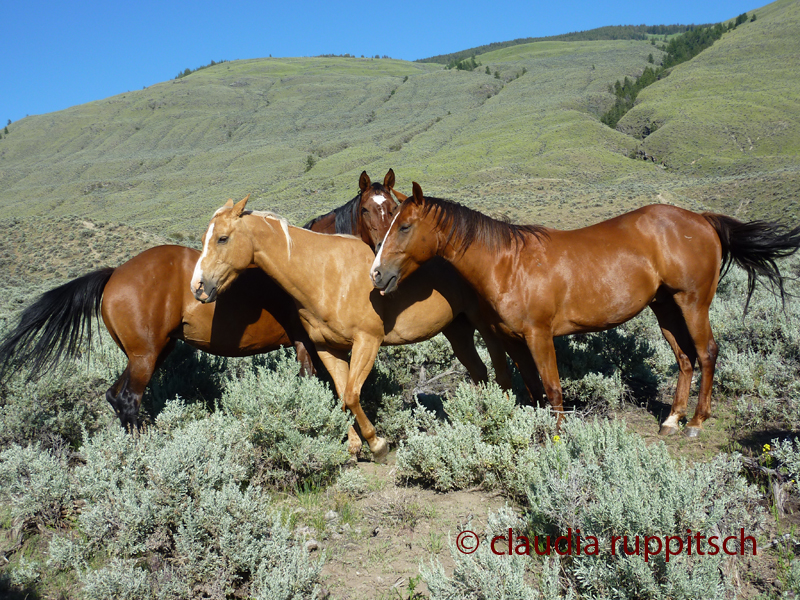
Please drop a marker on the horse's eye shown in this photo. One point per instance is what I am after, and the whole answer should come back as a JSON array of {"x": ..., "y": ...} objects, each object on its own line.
[
  {"x": 404, "y": 228},
  {"x": 222, "y": 239}
]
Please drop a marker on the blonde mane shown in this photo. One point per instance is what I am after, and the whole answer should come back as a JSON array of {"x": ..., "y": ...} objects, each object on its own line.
[{"x": 284, "y": 224}]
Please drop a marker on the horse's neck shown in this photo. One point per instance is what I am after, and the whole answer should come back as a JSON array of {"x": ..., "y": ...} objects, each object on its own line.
[
  {"x": 477, "y": 265},
  {"x": 294, "y": 268},
  {"x": 274, "y": 253}
]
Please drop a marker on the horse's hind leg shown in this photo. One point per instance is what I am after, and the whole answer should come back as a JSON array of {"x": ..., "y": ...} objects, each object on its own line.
[
  {"x": 688, "y": 333},
  {"x": 125, "y": 396},
  {"x": 706, "y": 350},
  {"x": 521, "y": 356}
]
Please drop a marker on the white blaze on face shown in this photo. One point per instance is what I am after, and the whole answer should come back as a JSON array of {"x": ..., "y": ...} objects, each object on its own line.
[
  {"x": 380, "y": 200},
  {"x": 376, "y": 263},
  {"x": 197, "y": 276}
]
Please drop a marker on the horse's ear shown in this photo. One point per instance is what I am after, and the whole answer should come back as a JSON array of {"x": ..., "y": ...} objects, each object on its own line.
[
  {"x": 416, "y": 191},
  {"x": 238, "y": 210},
  {"x": 388, "y": 181},
  {"x": 229, "y": 203},
  {"x": 401, "y": 197},
  {"x": 364, "y": 181}
]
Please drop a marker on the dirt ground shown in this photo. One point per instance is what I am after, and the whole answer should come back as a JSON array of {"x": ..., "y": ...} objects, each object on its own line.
[{"x": 392, "y": 531}]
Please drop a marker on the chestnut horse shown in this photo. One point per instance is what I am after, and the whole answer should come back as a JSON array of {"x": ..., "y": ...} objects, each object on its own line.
[
  {"x": 543, "y": 282},
  {"x": 328, "y": 277},
  {"x": 146, "y": 306}
]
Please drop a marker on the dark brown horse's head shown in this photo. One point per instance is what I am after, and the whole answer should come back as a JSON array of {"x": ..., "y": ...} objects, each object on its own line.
[
  {"x": 224, "y": 255},
  {"x": 411, "y": 240},
  {"x": 376, "y": 208}
]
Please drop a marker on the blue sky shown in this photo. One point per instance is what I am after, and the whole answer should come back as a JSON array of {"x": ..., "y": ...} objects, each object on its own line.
[{"x": 58, "y": 54}]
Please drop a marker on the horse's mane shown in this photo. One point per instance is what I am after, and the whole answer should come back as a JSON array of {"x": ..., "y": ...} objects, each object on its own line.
[
  {"x": 465, "y": 226},
  {"x": 345, "y": 217},
  {"x": 282, "y": 221}
]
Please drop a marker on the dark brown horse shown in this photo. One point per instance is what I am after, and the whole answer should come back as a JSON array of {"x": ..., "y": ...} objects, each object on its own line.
[
  {"x": 146, "y": 307},
  {"x": 367, "y": 216},
  {"x": 543, "y": 282}
]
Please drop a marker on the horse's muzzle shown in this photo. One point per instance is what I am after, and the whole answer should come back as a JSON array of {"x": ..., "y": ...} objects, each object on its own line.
[
  {"x": 385, "y": 282},
  {"x": 203, "y": 295}
]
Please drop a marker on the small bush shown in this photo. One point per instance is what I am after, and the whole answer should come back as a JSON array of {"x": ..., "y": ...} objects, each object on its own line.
[
  {"x": 482, "y": 443},
  {"x": 36, "y": 482},
  {"x": 759, "y": 360},
  {"x": 296, "y": 423},
  {"x": 787, "y": 455},
  {"x": 490, "y": 576},
  {"x": 604, "y": 481},
  {"x": 55, "y": 409}
]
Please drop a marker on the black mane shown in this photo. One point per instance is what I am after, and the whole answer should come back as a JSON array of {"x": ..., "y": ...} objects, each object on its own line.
[
  {"x": 469, "y": 226},
  {"x": 345, "y": 217}
]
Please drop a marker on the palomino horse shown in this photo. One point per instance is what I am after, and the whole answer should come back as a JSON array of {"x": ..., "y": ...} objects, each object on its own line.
[
  {"x": 328, "y": 277},
  {"x": 369, "y": 216},
  {"x": 543, "y": 282},
  {"x": 146, "y": 307}
]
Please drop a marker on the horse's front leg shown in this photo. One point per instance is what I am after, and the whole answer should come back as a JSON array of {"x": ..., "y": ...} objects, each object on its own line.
[
  {"x": 543, "y": 351},
  {"x": 335, "y": 362},
  {"x": 362, "y": 357}
]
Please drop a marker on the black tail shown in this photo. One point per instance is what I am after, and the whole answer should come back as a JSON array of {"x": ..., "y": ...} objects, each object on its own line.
[
  {"x": 755, "y": 246},
  {"x": 54, "y": 325}
]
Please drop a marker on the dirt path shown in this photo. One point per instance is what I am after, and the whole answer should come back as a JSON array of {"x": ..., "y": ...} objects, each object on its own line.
[{"x": 375, "y": 544}]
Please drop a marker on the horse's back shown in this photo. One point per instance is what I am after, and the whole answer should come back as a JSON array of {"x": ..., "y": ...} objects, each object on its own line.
[{"x": 606, "y": 273}]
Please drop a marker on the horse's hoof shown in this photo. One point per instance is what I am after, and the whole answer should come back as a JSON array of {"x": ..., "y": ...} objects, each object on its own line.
[
  {"x": 692, "y": 432},
  {"x": 354, "y": 447},
  {"x": 379, "y": 450},
  {"x": 667, "y": 430}
]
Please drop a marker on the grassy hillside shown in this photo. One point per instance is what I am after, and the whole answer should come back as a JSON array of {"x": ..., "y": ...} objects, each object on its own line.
[
  {"x": 523, "y": 139},
  {"x": 733, "y": 112}
]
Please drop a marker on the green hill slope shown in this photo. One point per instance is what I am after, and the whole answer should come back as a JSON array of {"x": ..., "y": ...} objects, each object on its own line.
[
  {"x": 523, "y": 140},
  {"x": 733, "y": 112}
]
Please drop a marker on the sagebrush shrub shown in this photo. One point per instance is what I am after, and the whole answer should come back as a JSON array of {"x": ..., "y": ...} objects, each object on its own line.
[
  {"x": 37, "y": 483},
  {"x": 482, "y": 440},
  {"x": 490, "y": 576},
  {"x": 787, "y": 454},
  {"x": 53, "y": 409},
  {"x": 759, "y": 360},
  {"x": 605, "y": 481},
  {"x": 297, "y": 423},
  {"x": 600, "y": 480},
  {"x": 174, "y": 512}
]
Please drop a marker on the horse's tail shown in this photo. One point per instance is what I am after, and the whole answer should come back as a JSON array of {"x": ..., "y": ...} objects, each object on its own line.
[
  {"x": 755, "y": 246},
  {"x": 54, "y": 325}
]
